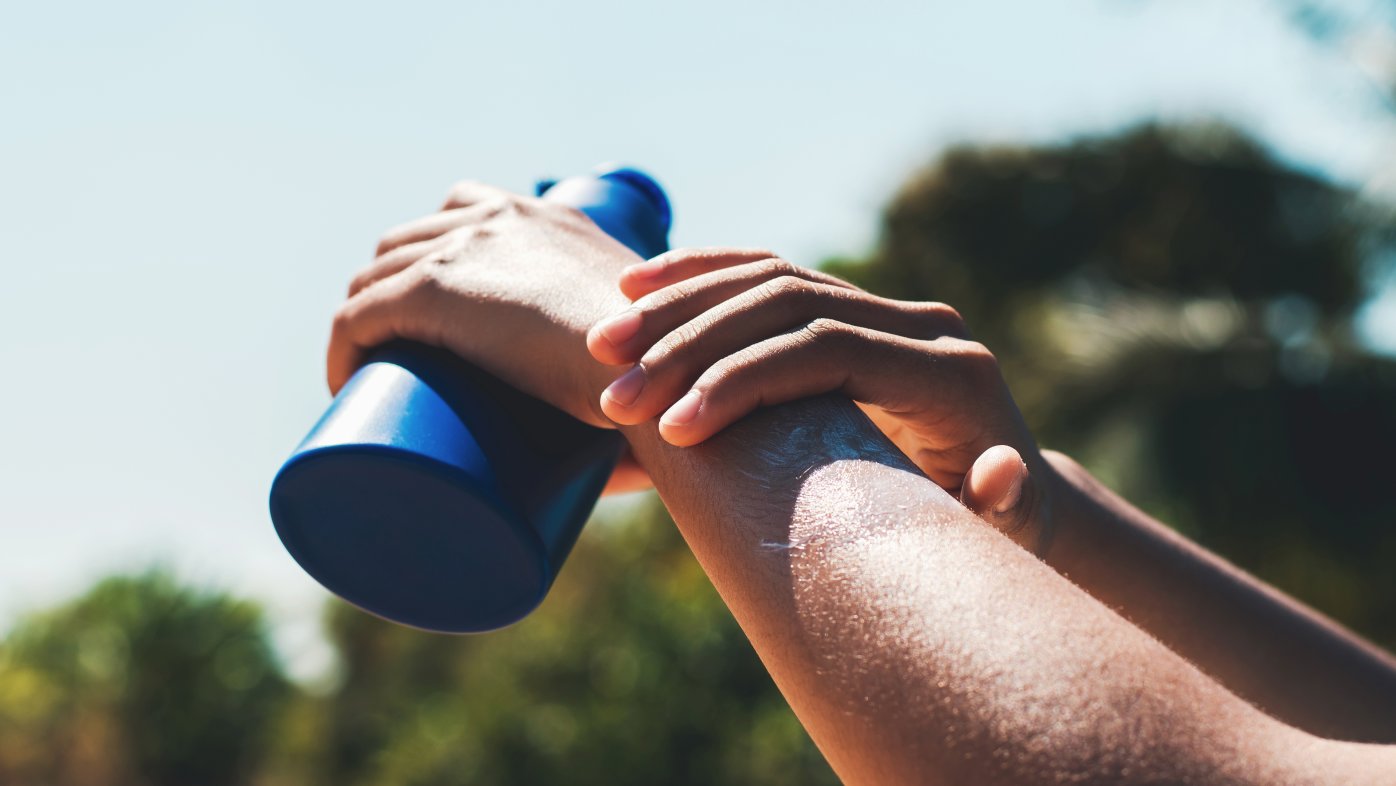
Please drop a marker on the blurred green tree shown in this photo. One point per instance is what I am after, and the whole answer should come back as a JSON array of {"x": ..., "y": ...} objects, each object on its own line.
[
  {"x": 1171, "y": 305},
  {"x": 1175, "y": 307},
  {"x": 632, "y": 671},
  {"x": 140, "y": 681}
]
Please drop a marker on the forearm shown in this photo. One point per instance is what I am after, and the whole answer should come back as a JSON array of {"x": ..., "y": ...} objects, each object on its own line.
[
  {"x": 917, "y": 645},
  {"x": 1286, "y": 658}
]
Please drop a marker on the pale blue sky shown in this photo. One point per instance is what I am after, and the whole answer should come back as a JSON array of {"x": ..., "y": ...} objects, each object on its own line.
[{"x": 186, "y": 187}]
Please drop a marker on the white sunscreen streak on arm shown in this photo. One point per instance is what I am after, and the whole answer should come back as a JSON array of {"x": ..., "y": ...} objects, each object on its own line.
[
  {"x": 807, "y": 447},
  {"x": 920, "y": 646}
]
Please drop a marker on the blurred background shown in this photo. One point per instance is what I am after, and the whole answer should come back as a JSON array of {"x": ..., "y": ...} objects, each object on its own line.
[{"x": 1172, "y": 221}]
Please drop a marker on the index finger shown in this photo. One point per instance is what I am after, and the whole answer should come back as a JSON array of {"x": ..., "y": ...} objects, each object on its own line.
[{"x": 367, "y": 320}]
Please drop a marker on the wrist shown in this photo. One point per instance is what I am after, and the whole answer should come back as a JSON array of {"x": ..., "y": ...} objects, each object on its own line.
[
  {"x": 587, "y": 377},
  {"x": 1067, "y": 485},
  {"x": 1037, "y": 531}
]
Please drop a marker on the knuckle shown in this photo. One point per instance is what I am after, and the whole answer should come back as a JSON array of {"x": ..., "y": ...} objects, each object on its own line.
[
  {"x": 391, "y": 256},
  {"x": 461, "y": 191},
  {"x": 342, "y": 321},
  {"x": 779, "y": 268},
  {"x": 360, "y": 281},
  {"x": 516, "y": 205},
  {"x": 569, "y": 212},
  {"x": 786, "y": 289},
  {"x": 496, "y": 207},
  {"x": 673, "y": 349},
  {"x": 979, "y": 353},
  {"x": 458, "y": 240},
  {"x": 678, "y": 352},
  {"x": 432, "y": 271},
  {"x": 737, "y": 365},
  {"x": 456, "y": 196},
  {"x": 685, "y": 336},
  {"x": 947, "y": 311},
  {"x": 826, "y": 332},
  {"x": 425, "y": 277},
  {"x": 977, "y": 358},
  {"x": 945, "y": 316},
  {"x": 394, "y": 237},
  {"x": 735, "y": 375},
  {"x": 662, "y": 304}
]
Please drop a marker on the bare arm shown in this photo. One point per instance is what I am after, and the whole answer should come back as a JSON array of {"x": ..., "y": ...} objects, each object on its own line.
[
  {"x": 739, "y": 328},
  {"x": 917, "y": 645},
  {"x": 1286, "y": 658}
]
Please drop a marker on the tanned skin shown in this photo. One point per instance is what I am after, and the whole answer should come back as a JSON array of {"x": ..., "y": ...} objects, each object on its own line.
[
  {"x": 717, "y": 332},
  {"x": 916, "y": 642}
]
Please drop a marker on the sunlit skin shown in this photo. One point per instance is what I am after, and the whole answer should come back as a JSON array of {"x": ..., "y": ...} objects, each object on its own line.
[
  {"x": 712, "y": 334},
  {"x": 916, "y": 643},
  {"x": 723, "y": 331}
]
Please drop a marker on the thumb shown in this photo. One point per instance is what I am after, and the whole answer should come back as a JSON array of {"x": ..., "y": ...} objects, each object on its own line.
[{"x": 1000, "y": 490}]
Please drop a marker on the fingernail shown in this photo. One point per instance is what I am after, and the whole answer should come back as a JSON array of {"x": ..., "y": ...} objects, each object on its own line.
[
  {"x": 621, "y": 327},
  {"x": 1012, "y": 496},
  {"x": 627, "y": 388},
  {"x": 684, "y": 410},
  {"x": 643, "y": 270}
]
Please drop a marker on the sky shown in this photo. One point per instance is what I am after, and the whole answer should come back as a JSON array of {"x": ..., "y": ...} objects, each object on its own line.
[{"x": 186, "y": 188}]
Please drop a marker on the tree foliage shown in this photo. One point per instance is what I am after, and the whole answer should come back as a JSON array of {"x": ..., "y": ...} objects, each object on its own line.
[
  {"x": 1175, "y": 307},
  {"x": 631, "y": 672},
  {"x": 1170, "y": 305},
  {"x": 140, "y": 681}
]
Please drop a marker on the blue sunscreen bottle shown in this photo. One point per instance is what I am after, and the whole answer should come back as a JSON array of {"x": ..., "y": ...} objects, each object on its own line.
[{"x": 432, "y": 494}]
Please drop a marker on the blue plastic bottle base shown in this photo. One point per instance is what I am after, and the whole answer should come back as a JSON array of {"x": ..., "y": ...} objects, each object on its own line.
[
  {"x": 437, "y": 496},
  {"x": 433, "y": 553}
]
